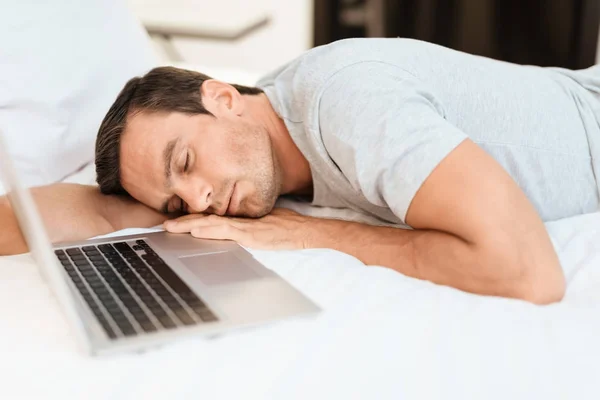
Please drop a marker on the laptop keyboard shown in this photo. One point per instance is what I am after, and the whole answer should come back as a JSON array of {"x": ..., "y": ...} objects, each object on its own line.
[{"x": 131, "y": 290}]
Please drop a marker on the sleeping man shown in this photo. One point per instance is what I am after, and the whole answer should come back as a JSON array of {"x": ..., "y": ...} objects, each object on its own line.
[{"x": 469, "y": 155}]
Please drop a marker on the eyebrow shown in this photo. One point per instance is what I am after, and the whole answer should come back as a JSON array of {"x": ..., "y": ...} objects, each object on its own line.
[{"x": 167, "y": 157}]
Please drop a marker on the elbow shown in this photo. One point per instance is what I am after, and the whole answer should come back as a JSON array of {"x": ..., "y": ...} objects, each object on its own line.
[
  {"x": 531, "y": 274},
  {"x": 542, "y": 291},
  {"x": 538, "y": 283}
]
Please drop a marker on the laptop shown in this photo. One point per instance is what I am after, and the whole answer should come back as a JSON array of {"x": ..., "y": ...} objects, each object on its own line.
[{"x": 135, "y": 292}]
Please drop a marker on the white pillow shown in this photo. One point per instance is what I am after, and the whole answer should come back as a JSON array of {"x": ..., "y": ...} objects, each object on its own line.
[{"x": 62, "y": 64}]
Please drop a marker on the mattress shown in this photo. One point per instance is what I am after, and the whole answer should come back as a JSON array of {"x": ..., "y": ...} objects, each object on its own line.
[{"x": 381, "y": 335}]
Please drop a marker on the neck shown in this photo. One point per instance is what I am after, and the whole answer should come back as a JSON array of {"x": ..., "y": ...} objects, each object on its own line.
[{"x": 294, "y": 168}]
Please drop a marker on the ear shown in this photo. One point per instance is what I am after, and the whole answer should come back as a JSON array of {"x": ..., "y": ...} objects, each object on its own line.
[{"x": 220, "y": 97}]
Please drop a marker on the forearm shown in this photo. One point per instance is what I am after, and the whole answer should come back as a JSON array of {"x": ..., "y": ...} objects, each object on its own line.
[
  {"x": 504, "y": 269},
  {"x": 11, "y": 240},
  {"x": 69, "y": 212},
  {"x": 74, "y": 212}
]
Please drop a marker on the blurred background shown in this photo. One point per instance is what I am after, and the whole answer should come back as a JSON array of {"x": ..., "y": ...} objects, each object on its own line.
[{"x": 259, "y": 35}]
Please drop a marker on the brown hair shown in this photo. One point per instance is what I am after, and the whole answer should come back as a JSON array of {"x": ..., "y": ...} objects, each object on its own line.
[{"x": 163, "y": 89}]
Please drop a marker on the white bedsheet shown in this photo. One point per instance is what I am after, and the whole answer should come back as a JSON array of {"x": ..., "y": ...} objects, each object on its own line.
[{"x": 381, "y": 336}]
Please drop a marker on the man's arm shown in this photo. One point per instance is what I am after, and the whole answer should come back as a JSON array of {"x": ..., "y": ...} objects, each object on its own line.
[
  {"x": 475, "y": 230},
  {"x": 74, "y": 212},
  {"x": 392, "y": 136}
]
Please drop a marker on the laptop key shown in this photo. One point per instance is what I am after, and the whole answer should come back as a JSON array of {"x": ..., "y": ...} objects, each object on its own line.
[
  {"x": 112, "y": 307},
  {"x": 89, "y": 273},
  {"x": 172, "y": 302},
  {"x": 105, "y": 325},
  {"x": 184, "y": 317},
  {"x": 127, "y": 329},
  {"x": 147, "y": 326},
  {"x": 112, "y": 280},
  {"x": 103, "y": 322},
  {"x": 107, "y": 249},
  {"x": 166, "y": 321},
  {"x": 121, "y": 246},
  {"x": 74, "y": 251},
  {"x": 95, "y": 284},
  {"x": 103, "y": 295},
  {"x": 207, "y": 316},
  {"x": 70, "y": 270},
  {"x": 85, "y": 268},
  {"x": 156, "y": 308}
]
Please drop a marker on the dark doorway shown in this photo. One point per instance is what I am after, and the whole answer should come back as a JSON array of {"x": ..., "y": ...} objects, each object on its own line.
[{"x": 539, "y": 32}]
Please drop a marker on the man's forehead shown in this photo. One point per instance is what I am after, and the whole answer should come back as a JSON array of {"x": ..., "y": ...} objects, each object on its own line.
[
  {"x": 146, "y": 122},
  {"x": 148, "y": 133},
  {"x": 142, "y": 151}
]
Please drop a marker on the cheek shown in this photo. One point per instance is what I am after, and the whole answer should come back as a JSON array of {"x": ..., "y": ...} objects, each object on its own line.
[
  {"x": 233, "y": 151},
  {"x": 218, "y": 159}
]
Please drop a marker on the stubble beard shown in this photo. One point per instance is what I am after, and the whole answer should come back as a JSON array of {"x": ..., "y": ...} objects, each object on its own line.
[{"x": 267, "y": 184}]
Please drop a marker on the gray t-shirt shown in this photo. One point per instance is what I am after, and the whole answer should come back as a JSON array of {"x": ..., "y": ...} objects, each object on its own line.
[{"x": 374, "y": 117}]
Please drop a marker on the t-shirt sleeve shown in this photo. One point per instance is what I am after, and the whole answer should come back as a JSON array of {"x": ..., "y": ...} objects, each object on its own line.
[{"x": 385, "y": 130}]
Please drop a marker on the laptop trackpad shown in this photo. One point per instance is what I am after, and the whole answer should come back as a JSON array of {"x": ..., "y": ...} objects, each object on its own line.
[{"x": 218, "y": 268}]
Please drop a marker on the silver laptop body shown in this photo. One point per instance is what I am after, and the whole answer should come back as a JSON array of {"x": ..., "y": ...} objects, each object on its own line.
[{"x": 134, "y": 292}]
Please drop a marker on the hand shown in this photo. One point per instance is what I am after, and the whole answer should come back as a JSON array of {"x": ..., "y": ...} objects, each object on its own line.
[{"x": 281, "y": 229}]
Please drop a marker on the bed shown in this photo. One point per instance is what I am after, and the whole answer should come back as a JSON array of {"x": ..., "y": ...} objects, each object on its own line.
[{"x": 381, "y": 335}]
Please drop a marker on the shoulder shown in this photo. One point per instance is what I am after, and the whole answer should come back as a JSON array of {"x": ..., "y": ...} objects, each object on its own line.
[
  {"x": 297, "y": 86},
  {"x": 362, "y": 96}
]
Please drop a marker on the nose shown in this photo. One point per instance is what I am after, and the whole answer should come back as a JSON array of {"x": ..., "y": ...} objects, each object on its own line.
[{"x": 198, "y": 195}]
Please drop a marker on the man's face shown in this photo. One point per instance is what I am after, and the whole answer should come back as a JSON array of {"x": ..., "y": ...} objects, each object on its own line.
[{"x": 199, "y": 164}]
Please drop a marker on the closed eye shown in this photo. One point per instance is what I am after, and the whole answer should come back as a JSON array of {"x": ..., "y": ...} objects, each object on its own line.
[{"x": 187, "y": 162}]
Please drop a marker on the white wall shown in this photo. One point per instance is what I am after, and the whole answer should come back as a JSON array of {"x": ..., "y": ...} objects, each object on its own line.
[{"x": 288, "y": 34}]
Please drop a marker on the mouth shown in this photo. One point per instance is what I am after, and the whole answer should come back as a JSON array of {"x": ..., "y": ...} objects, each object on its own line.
[{"x": 229, "y": 210}]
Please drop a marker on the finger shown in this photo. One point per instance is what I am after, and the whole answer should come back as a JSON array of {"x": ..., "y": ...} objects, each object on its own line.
[
  {"x": 189, "y": 224},
  {"x": 191, "y": 217},
  {"x": 184, "y": 224},
  {"x": 179, "y": 224},
  {"x": 188, "y": 217},
  {"x": 217, "y": 232}
]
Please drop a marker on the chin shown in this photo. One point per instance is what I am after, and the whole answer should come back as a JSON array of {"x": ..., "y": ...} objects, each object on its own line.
[
  {"x": 257, "y": 210},
  {"x": 255, "y": 213}
]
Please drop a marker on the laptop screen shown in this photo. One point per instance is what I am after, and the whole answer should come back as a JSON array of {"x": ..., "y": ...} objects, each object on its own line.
[{"x": 33, "y": 230}]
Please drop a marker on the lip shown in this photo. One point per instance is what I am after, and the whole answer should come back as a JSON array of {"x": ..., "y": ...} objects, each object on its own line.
[{"x": 231, "y": 206}]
